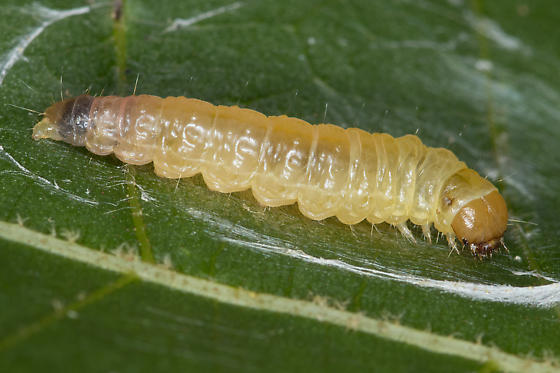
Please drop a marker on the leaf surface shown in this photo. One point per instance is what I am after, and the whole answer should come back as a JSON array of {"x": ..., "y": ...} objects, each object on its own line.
[{"x": 477, "y": 78}]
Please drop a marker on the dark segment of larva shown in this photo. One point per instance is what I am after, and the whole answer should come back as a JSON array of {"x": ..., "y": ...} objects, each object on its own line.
[{"x": 327, "y": 170}]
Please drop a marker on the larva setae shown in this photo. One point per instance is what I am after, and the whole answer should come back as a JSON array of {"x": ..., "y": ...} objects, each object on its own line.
[{"x": 327, "y": 170}]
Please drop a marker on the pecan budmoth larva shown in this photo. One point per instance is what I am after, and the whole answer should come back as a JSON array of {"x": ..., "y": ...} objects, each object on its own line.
[{"x": 327, "y": 170}]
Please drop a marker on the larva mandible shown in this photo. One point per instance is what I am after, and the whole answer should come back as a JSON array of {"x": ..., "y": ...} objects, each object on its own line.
[{"x": 327, "y": 170}]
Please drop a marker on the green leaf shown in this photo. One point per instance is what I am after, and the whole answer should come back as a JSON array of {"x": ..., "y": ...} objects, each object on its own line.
[{"x": 106, "y": 267}]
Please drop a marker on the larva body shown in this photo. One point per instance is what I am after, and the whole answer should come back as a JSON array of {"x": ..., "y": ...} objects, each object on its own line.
[{"x": 327, "y": 170}]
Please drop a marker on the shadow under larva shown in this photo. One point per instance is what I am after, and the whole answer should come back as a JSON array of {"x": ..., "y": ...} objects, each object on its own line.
[{"x": 327, "y": 170}]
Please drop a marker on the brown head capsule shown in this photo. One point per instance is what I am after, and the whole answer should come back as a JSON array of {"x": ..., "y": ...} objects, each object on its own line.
[
  {"x": 477, "y": 212},
  {"x": 481, "y": 224},
  {"x": 325, "y": 169}
]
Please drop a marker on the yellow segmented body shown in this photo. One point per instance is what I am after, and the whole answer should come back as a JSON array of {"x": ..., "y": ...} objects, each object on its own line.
[{"x": 327, "y": 170}]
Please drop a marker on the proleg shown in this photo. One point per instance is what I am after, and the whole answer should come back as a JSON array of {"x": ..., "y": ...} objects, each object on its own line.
[{"x": 325, "y": 169}]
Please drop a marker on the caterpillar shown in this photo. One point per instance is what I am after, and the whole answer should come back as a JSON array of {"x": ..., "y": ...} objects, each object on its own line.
[{"x": 329, "y": 171}]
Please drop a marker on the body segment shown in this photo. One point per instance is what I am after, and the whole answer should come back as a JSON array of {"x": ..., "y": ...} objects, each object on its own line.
[{"x": 327, "y": 170}]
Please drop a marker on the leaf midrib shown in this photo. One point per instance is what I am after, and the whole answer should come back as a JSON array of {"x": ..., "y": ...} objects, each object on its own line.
[{"x": 158, "y": 274}]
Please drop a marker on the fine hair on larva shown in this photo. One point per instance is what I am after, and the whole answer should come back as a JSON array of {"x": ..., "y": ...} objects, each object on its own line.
[{"x": 329, "y": 171}]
